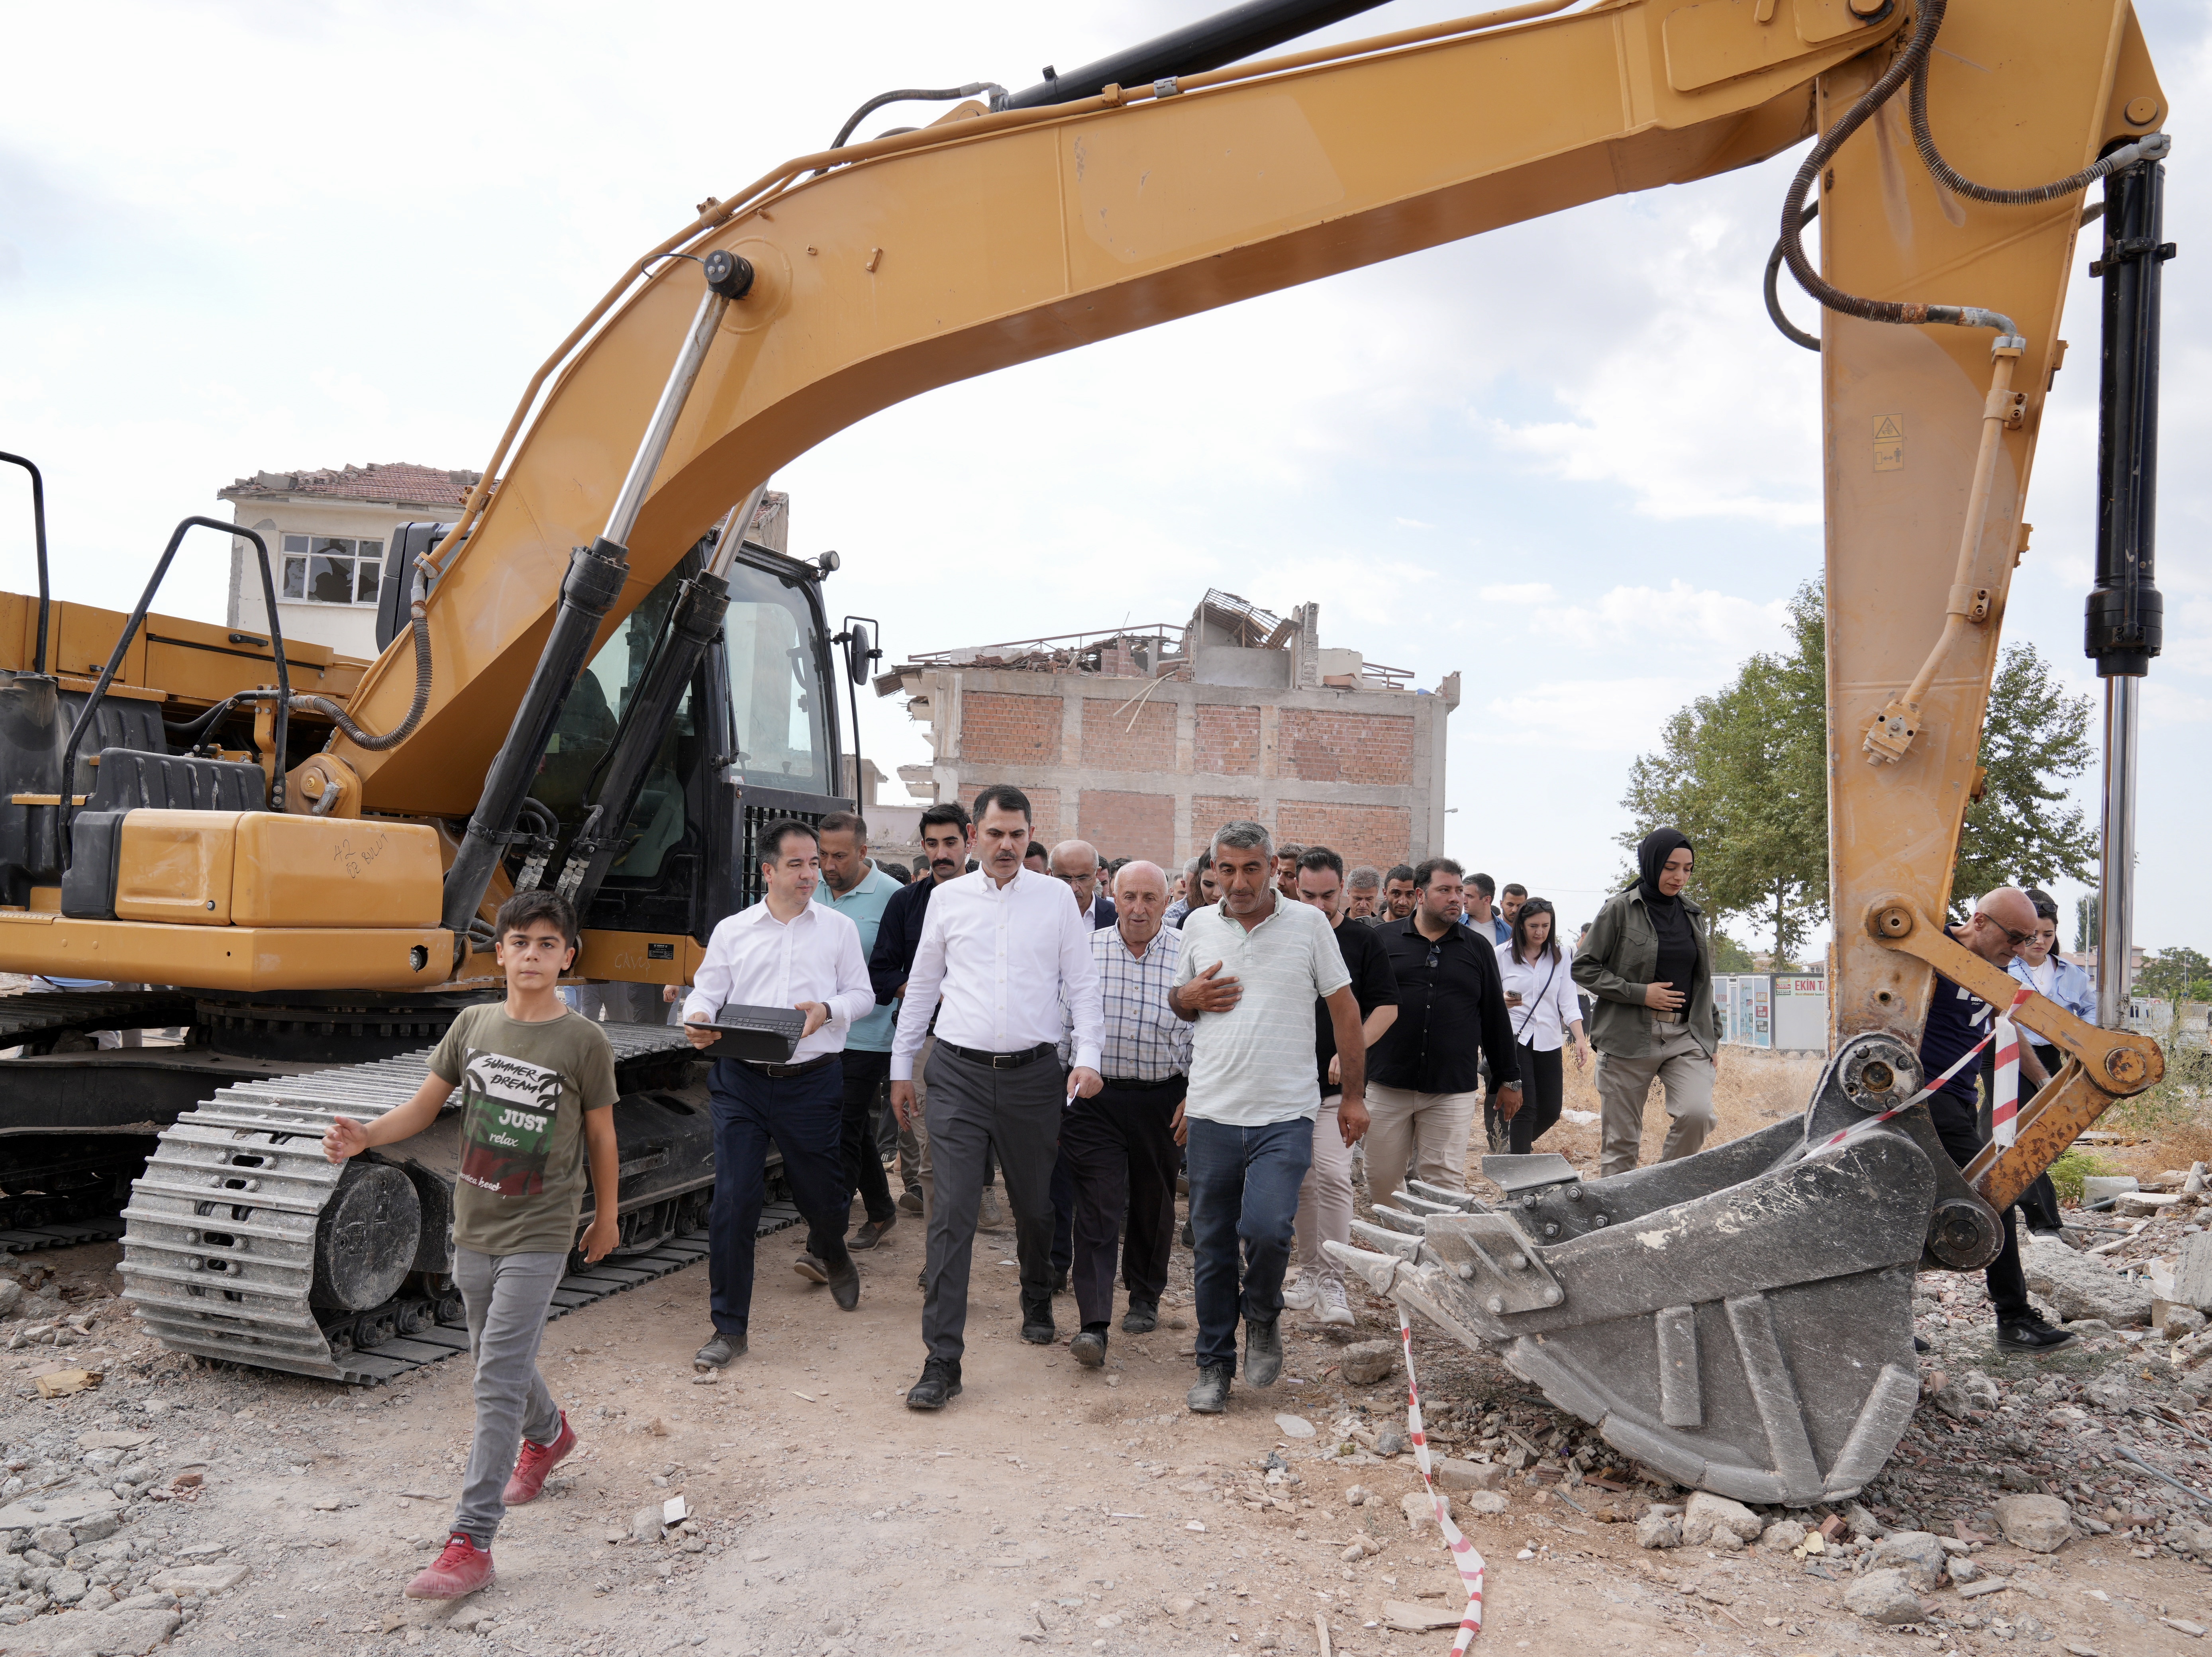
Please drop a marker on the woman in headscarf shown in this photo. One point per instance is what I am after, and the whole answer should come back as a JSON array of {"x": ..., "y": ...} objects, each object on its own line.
[{"x": 1648, "y": 965}]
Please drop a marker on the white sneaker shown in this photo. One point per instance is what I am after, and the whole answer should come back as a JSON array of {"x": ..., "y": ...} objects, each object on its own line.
[
  {"x": 1299, "y": 1295},
  {"x": 1334, "y": 1309}
]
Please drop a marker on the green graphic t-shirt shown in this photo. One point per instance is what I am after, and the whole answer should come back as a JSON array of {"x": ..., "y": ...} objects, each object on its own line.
[{"x": 523, "y": 1090}]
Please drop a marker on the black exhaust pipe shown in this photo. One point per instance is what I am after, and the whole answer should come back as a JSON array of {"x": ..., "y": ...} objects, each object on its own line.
[{"x": 1224, "y": 37}]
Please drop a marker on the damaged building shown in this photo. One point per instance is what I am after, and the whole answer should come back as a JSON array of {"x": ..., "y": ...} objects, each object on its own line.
[{"x": 1143, "y": 739}]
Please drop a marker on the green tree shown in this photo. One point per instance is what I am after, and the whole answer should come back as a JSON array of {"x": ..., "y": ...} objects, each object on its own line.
[
  {"x": 2021, "y": 831},
  {"x": 1743, "y": 772},
  {"x": 2176, "y": 975}
]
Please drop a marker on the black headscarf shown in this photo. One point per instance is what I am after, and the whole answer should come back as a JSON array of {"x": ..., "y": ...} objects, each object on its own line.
[{"x": 1678, "y": 940}]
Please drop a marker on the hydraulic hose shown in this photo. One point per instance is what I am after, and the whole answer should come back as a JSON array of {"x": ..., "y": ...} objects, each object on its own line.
[
  {"x": 2153, "y": 145},
  {"x": 419, "y": 623},
  {"x": 1908, "y": 62},
  {"x": 1912, "y": 64},
  {"x": 192, "y": 729},
  {"x": 911, "y": 95}
]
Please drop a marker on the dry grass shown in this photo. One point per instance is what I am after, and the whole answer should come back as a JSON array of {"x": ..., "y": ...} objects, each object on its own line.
[{"x": 1754, "y": 1089}]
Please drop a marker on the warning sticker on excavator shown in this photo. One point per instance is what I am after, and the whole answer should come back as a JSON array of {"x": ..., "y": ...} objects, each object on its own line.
[{"x": 1889, "y": 443}]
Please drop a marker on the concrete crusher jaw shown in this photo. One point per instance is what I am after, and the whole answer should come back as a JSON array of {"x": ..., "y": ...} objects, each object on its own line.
[{"x": 1738, "y": 1320}]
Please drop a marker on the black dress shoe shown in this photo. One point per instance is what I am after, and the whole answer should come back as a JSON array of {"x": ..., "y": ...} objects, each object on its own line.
[
  {"x": 844, "y": 1285},
  {"x": 1211, "y": 1396},
  {"x": 1263, "y": 1352},
  {"x": 810, "y": 1269},
  {"x": 717, "y": 1353},
  {"x": 1141, "y": 1319},
  {"x": 1037, "y": 1327},
  {"x": 871, "y": 1232},
  {"x": 2032, "y": 1334},
  {"x": 940, "y": 1384},
  {"x": 1089, "y": 1348}
]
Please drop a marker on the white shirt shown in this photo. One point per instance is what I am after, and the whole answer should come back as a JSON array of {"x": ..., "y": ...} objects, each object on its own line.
[
  {"x": 1254, "y": 1065},
  {"x": 1541, "y": 1021},
  {"x": 756, "y": 960},
  {"x": 1000, "y": 958}
]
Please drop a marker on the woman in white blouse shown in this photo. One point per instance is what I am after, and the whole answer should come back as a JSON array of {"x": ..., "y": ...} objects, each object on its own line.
[{"x": 1540, "y": 999}]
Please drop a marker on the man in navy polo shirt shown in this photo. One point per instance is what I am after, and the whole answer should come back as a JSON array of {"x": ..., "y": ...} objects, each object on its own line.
[{"x": 1958, "y": 1019}]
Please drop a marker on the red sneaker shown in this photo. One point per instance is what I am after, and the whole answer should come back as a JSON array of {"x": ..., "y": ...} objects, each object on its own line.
[
  {"x": 462, "y": 1568},
  {"x": 536, "y": 1462}
]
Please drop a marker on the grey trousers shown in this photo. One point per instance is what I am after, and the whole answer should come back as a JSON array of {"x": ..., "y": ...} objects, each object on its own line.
[
  {"x": 507, "y": 1296},
  {"x": 1677, "y": 1061},
  {"x": 971, "y": 1109}
]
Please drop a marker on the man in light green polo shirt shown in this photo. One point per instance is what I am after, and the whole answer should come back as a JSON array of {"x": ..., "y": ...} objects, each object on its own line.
[{"x": 855, "y": 887}]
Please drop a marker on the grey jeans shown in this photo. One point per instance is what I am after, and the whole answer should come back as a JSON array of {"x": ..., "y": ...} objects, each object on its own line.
[
  {"x": 507, "y": 1296},
  {"x": 973, "y": 1109}
]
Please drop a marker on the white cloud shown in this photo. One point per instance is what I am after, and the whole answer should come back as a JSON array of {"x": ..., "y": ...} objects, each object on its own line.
[{"x": 1607, "y": 460}]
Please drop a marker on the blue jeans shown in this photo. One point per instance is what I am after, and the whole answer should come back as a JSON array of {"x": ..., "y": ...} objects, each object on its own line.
[
  {"x": 1243, "y": 1203},
  {"x": 805, "y": 1116}
]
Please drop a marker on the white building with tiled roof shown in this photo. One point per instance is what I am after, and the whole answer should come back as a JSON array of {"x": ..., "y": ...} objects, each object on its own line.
[{"x": 328, "y": 532}]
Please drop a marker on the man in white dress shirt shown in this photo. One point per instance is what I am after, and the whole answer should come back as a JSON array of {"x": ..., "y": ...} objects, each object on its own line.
[
  {"x": 786, "y": 950},
  {"x": 1000, "y": 949}
]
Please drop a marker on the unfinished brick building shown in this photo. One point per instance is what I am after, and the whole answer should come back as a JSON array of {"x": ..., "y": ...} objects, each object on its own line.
[{"x": 1144, "y": 740}]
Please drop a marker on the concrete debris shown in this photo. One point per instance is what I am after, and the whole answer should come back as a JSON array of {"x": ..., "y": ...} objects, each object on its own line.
[
  {"x": 2077, "y": 1286},
  {"x": 1659, "y": 1530},
  {"x": 1451, "y": 1473},
  {"x": 1489, "y": 1503},
  {"x": 1918, "y": 1554},
  {"x": 198, "y": 1579},
  {"x": 11, "y": 1297},
  {"x": 1884, "y": 1596},
  {"x": 1420, "y": 1512},
  {"x": 644, "y": 1525},
  {"x": 1782, "y": 1535},
  {"x": 1864, "y": 1525},
  {"x": 2041, "y": 1524},
  {"x": 1709, "y": 1516},
  {"x": 1364, "y": 1363},
  {"x": 1294, "y": 1426}
]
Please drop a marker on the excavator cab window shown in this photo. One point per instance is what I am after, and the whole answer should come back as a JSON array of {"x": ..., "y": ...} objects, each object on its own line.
[{"x": 777, "y": 694}]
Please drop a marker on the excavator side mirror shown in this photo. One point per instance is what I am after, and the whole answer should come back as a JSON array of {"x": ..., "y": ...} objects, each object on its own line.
[{"x": 857, "y": 653}]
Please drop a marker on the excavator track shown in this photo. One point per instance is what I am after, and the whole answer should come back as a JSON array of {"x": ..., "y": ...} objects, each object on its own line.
[
  {"x": 219, "y": 1255},
  {"x": 35, "y": 1022},
  {"x": 36, "y": 1019}
]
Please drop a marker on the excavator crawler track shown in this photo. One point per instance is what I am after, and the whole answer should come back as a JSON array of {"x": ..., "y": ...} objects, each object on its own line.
[
  {"x": 219, "y": 1255},
  {"x": 35, "y": 1020}
]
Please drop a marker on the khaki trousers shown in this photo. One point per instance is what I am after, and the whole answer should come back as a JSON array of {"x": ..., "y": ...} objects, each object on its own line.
[
  {"x": 1428, "y": 1129},
  {"x": 1679, "y": 1064},
  {"x": 1324, "y": 1198}
]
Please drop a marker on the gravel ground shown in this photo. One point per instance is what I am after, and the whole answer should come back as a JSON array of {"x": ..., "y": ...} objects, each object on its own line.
[{"x": 234, "y": 1510}]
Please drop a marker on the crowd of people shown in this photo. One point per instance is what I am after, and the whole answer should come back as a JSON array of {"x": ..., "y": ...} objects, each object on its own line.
[{"x": 1263, "y": 1025}]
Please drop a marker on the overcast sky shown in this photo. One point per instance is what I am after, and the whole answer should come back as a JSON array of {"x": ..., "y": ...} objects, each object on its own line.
[{"x": 1570, "y": 460}]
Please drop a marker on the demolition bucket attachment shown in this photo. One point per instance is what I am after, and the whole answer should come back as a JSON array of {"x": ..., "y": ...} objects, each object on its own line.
[{"x": 1739, "y": 1321}]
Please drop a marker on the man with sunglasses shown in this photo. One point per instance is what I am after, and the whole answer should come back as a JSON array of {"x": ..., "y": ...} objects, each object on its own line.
[{"x": 1959, "y": 1020}]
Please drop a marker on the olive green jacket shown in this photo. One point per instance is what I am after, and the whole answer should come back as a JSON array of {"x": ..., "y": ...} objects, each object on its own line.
[{"x": 1618, "y": 958}]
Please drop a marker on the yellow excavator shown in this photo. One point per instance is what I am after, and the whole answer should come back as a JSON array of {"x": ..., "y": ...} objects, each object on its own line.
[{"x": 1739, "y": 1319}]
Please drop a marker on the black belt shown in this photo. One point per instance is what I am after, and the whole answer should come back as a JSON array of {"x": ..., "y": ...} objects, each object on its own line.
[
  {"x": 1177, "y": 1080},
  {"x": 813, "y": 1064},
  {"x": 998, "y": 1060}
]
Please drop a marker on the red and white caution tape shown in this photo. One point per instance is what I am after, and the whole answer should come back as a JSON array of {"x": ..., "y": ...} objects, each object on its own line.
[
  {"x": 2005, "y": 1106},
  {"x": 1465, "y": 1559},
  {"x": 1845, "y": 1136}
]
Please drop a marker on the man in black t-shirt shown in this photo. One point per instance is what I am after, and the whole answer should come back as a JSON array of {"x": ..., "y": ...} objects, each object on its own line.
[
  {"x": 1958, "y": 1019},
  {"x": 1324, "y": 1212}
]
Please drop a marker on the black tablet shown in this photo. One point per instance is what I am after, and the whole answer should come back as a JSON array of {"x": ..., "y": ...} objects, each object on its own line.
[{"x": 764, "y": 1035}]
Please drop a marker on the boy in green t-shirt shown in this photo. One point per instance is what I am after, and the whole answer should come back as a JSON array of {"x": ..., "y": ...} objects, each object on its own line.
[{"x": 537, "y": 1087}]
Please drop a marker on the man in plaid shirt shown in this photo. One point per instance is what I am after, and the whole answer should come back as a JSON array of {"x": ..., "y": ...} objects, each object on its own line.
[{"x": 1119, "y": 1144}]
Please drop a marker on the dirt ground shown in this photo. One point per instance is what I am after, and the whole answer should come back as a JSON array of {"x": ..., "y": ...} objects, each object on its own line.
[{"x": 1048, "y": 1506}]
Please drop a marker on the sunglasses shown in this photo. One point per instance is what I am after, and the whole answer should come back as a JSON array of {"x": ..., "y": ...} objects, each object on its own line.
[{"x": 2018, "y": 939}]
